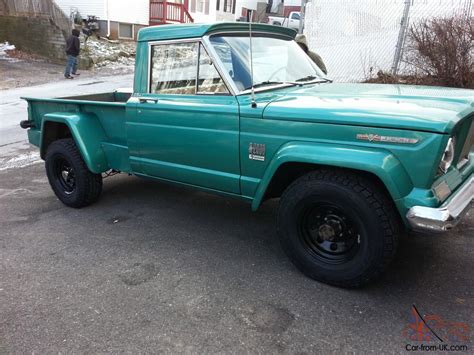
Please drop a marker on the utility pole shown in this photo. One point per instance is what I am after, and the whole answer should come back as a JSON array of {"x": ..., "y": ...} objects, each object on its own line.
[
  {"x": 302, "y": 13},
  {"x": 401, "y": 37}
]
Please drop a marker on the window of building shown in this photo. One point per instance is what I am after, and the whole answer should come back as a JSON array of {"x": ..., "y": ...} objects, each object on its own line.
[
  {"x": 202, "y": 6},
  {"x": 125, "y": 30},
  {"x": 229, "y": 6}
]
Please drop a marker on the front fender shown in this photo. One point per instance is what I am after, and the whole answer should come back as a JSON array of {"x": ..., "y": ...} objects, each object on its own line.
[
  {"x": 88, "y": 134},
  {"x": 379, "y": 162}
]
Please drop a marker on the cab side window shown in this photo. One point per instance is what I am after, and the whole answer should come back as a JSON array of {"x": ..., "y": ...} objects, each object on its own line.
[
  {"x": 210, "y": 81},
  {"x": 176, "y": 70},
  {"x": 173, "y": 68},
  {"x": 295, "y": 16}
]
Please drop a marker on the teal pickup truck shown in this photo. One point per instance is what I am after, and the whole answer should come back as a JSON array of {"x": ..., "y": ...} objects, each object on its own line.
[{"x": 245, "y": 113}]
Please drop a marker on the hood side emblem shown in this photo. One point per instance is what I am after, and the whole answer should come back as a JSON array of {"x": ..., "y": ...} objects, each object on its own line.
[
  {"x": 386, "y": 139},
  {"x": 257, "y": 151}
]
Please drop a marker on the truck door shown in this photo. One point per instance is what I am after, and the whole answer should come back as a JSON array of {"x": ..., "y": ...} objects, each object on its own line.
[{"x": 187, "y": 125}]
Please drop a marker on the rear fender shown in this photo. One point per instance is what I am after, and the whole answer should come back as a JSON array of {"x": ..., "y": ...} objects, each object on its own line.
[
  {"x": 88, "y": 134},
  {"x": 379, "y": 162}
]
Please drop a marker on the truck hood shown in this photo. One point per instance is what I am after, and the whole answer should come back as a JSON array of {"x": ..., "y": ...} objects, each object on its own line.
[{"x": 421, "y": 108}]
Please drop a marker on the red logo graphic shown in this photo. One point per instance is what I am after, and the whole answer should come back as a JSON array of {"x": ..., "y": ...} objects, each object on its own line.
[{"x": 434, "y": 328}]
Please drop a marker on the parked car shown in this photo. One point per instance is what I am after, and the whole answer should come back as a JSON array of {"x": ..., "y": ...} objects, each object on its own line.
[
  {"x": 291, "y": 21},
  {"x": 352, "y": 164}
]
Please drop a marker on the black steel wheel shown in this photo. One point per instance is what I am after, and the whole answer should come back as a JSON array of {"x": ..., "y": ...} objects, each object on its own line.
[
  {"x": 64, "y": 173},
  {"x": 328, "y": 233},
  {"x": 338, "y": 227},
  {"x": 72, "y": 182}
]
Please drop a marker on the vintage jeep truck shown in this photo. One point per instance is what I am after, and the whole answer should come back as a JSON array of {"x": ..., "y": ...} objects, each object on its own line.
[{"x": 352, "y": 164}]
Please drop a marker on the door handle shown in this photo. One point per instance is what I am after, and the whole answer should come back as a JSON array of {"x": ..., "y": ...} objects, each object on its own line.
[{"x": 147, "y": 100}]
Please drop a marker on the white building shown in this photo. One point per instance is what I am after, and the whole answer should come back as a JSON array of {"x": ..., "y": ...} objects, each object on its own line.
[
  {"x": 117, "y": 18},
  {"x": 286, "y": 6},
  {"x": 123, "y": 18},
  {"x": 230, "y": 10},
  {"x": 205, "y": 11}
]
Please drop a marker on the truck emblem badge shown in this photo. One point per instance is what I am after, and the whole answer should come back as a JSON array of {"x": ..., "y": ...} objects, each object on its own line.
[
  {"x": 386, "y": 139},
  {"x": 257, "y": 151}
]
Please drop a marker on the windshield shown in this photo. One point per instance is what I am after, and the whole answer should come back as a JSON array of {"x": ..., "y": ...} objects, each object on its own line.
[{"x": 275, "y": 60}]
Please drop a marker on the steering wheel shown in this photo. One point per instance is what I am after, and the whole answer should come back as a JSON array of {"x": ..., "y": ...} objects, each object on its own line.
[{"x": 275, "y": 73}]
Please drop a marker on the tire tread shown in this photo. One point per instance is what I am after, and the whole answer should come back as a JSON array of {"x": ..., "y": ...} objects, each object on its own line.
[
  {"x": 374, "y": 196},
  {"x": 92, "y": 181}
]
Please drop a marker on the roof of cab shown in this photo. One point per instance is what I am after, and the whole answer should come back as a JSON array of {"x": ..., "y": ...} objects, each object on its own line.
[{"x": 181, "y": 31}]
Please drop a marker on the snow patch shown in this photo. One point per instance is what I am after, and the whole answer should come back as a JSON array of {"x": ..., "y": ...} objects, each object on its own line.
[
  {"x": 110, "y": 54},
  {"x": 4, "y": 48},
  {"x": 7, "y": 192},
  {"x": 20, "y": 161}
]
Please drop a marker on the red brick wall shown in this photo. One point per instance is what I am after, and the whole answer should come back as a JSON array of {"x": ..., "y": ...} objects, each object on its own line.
[{"x": 288, "y": 9}]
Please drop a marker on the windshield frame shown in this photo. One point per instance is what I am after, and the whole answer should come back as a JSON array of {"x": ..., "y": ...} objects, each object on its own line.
[{"x": 213, "y": 53}]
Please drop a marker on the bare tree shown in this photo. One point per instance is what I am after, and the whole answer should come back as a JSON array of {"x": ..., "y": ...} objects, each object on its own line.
[{"x": 443, "y": 48}]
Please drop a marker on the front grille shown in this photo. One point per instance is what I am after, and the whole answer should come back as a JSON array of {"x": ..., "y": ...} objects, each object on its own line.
[{"x": 466, "y": 149}]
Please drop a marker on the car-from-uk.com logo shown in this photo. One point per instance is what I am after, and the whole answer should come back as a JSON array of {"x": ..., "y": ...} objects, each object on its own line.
[{"x": 433, "y": 333}]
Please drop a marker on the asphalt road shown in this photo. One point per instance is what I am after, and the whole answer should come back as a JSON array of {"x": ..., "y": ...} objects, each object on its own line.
[{"x": 157, "y": 268}]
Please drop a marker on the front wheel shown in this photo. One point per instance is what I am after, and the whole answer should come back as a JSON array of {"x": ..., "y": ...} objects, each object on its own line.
[
  {"x": 338, "y": 227},
  {"x": 72, "y": 182}
]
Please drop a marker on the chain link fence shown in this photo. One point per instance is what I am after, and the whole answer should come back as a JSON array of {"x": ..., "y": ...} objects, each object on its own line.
[{"x": 356, "y": 39}]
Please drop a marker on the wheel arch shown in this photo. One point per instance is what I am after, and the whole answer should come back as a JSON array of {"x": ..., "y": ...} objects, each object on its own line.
[
  {"x": 86, "y": 131},
  {"x": 296, "y": 159}
]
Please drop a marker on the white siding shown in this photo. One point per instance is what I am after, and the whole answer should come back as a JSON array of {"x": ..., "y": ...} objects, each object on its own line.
[
  {"x": 292, "y": 2},
  {"x": 248, "y": 4},
  {"x": 252, "y": 5},
  {"x": 85, "y": 7},
  {"x": 136, "y": 11},
  {"x": 201, "y": 16},
  {"x": 213, "y": 16}
]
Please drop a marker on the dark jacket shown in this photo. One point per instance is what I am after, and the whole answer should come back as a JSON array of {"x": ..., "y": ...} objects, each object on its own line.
[
  {"x": 73, "y": 45},
  {"x": 316, "y": 58}
]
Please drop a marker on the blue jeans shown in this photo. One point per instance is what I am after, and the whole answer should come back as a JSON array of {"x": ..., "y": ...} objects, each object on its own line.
[{"x": 71, "y": 65}]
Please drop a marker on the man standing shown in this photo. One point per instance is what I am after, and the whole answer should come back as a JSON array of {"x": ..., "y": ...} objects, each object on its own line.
[
  {"x": 73, "y": 47},
  {"x": 316, "y": 58}
]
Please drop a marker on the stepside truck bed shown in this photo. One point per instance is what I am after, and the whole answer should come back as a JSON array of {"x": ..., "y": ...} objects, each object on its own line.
[{"x": 100, "y": 118}]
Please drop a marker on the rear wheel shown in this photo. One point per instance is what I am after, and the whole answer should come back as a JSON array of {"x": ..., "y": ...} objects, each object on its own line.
[
  {"x": 72, "y": 182},
  {"x": 338, "y": 227}
]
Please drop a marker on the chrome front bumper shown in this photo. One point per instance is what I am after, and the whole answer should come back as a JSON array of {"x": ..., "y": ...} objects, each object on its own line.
[{"x": 444, "y": 218}]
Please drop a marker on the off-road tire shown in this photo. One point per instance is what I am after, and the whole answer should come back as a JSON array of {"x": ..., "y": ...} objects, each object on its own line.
[
  {"x": 373, "y": 219},
  {"x": 85, "y": 187}
]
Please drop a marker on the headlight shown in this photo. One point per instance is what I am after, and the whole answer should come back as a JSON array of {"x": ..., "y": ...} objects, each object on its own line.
[{"x": 448, "y": 156}]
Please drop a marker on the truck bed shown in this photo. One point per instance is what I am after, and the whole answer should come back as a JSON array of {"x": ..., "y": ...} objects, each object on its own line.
[
  {"x": 107, "y": 110},
  {"x": 116, "y": 96}
]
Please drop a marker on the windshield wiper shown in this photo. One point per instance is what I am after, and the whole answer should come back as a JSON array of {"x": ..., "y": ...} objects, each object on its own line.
[
  {"x": 307, "y": 78},
  {"x": 313, "y": 78},
  {"x": 268, "y": 82}
]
